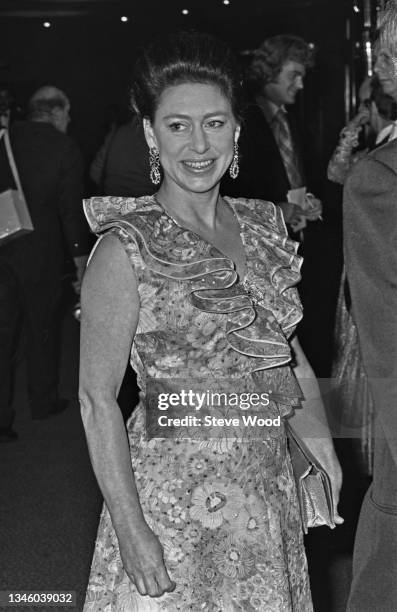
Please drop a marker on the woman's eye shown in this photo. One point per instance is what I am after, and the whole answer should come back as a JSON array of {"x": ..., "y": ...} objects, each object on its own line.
[
  {"x": 176, "y": 126},
  {"x": 215, "y": 123}
]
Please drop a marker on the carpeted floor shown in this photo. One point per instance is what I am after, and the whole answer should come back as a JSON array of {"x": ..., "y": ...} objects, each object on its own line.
[
  {"x": 49, "y": 506},
  {"x": 49, "y": 498}
]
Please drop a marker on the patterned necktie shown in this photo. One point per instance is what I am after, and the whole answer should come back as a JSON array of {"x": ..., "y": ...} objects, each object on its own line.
[{"x": 282, "y": 134}]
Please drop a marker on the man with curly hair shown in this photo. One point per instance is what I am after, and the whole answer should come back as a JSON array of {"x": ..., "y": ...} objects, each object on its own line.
[{"x": 271, "y": 155}]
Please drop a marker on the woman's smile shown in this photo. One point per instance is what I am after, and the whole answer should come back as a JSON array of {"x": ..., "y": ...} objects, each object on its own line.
[{"x": 198, "y": 166}]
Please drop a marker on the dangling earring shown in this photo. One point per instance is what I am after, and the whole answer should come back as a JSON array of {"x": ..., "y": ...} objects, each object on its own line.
[
  {"x": 234, "y": 167},
  {"x": 154, "y": 161}
]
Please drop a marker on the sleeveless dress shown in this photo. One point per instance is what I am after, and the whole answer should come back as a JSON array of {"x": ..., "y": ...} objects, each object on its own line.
[{"x": 223, "y": 504}]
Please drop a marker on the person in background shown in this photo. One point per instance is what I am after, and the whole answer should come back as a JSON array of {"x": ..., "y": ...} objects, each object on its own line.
[
  {"x": 126, "y": 172},
  {"x": 270, "y": 147},
  {"x": 50, "y": 167},
  {"x": 347, "y": 150},
  {"x": 378, "y": 112},
  {"x": 97, "y": 166},
  {"x": 355, "y": 408},
  {"x": 370, "y": 242}
]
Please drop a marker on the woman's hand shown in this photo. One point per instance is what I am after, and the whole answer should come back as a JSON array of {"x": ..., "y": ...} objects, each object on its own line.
[
  {"x": 142, "y": 557},
  {"x": 324, "y": 452},
  {"x": 310, "y": 423}
]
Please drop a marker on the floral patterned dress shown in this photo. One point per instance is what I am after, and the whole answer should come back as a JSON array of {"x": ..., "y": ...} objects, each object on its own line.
[{"x": 223, "y": 506}]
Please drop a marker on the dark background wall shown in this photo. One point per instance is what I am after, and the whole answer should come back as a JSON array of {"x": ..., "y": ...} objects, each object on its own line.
[{"x": 89, "y": 52}]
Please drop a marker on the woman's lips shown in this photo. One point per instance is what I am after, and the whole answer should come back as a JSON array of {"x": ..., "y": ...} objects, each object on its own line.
[{"x": 198, "y": 166}]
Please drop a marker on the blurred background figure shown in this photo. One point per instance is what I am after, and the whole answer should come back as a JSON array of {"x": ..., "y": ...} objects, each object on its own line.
[
  {"x": 97, "y": 166},
  {"x": 50, "y": 167},
  {"x": 127, "y": 169},
  {"x": 378, "y": 113},
  {"x": 343, "y": 158},
  {"x": 271, "y": 147},
  {"x": 121, "y": 166},
  {"x": 370, "y": 220}
]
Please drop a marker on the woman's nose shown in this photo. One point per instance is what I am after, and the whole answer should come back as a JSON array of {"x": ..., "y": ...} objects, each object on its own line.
[{"x": 199, "y": 140}]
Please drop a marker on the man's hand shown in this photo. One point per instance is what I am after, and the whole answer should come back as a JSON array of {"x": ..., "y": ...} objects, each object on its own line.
[
  {"x": 314, "y": 208},
  {"x": 293, "y": 213}
]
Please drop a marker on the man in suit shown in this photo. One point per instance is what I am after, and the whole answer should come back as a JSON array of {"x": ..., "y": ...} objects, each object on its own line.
[
  {"x": 51, "y": 173},
  {"x": 270, "y": 145},
  {"x": 370, "y": 241}
]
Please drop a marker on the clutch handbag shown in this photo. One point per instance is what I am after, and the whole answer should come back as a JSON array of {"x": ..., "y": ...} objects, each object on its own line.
[
  {"x": 14, "y": 213},
  {"x": 313, "y": 484}
]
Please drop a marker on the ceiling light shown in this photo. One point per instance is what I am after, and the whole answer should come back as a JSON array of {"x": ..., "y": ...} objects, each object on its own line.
[
  {"x": 185, "y": 12},
  {"x": 124, "y": 19},
  {"x": 46, "y": 24},
  {"x": 356, "y": 9},
  {"x": 226, "y": 2}
]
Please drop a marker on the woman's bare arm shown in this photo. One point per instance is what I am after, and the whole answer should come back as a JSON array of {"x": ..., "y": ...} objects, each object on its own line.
[{"x": 110, "y": 310}]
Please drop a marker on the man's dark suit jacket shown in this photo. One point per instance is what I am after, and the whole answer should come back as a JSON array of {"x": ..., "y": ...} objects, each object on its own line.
[
  {"x": 262, "y": 173},
  {"x": 50, "y": 167},
  {"x": 127, "y": 169},
  {"x": 370, "y": 241}
]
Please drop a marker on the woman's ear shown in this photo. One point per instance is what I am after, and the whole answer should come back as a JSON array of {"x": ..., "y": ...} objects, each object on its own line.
[
  {"x": 149, "y": 134},
  {"x": 237, "y": 133}
]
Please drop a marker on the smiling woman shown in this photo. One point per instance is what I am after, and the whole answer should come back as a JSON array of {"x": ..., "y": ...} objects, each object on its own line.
[
  {"x": 194, "y": 131},
  {"x": 198, "y": 290}
]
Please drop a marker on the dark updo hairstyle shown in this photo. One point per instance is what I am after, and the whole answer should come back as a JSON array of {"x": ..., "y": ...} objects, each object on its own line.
[
  {"x": 184, "y": 57},
  {"x": 268, "y": 60}
]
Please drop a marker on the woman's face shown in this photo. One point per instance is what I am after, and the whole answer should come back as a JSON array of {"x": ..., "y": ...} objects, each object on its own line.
[{"x": 194, "y": 130}]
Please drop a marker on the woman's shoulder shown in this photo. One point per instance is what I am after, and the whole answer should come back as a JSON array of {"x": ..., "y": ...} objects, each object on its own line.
[{"x": 104, "y": 211}]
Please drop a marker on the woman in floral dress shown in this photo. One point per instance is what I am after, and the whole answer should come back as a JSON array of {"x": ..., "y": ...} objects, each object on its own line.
[{"x": 199, "y": 291}]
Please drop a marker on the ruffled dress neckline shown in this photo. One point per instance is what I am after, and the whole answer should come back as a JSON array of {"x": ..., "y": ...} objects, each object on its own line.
[
  {"x": 204, "y": 240},
  {"x": 261, "y": 311}
]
